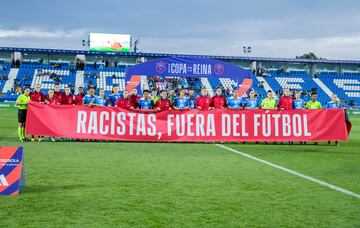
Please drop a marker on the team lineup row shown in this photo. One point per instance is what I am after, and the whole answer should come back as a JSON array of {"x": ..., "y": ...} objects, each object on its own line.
[{"x": 163, "y": 100}]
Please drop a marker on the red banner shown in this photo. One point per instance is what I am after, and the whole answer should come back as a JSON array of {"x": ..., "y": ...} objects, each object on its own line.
[{"x": 112, "y": 123}]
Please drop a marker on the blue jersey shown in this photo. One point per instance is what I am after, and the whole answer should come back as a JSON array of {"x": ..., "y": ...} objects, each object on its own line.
[
  {"x": 251, "y": 103},
  {"x": 146, "y": 103},
  {"x": 113, "y": 98},
  {"x": 87, "y": 99},
  {"x": 181, "y": 103},
  {"x": 332, "y": 104},
  {"x": 234, "y": 103},
  {"x": 100, "y": 101},
  {"x": 298, "y": 104},
  {"x": 192, "y": 102}
]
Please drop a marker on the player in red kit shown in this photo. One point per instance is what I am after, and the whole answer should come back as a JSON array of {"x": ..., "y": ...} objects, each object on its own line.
[
  {"x": 68, "y": 99},
  {"x": 218, "y": 101},
  {"x": 39, "y": 97},
  {"x": 124, "y": 102},
  {"x": 58, "y": 93},
  {"x": 79, "y": 97},
  {"x": 51, "y": 98},
  {"x": 286, "y": 101},
  {"x": 36, "y": 95},
  {"x": 163, "y": 103},
  {"x": 134, "y": 98},
  {"x": 203, "y": 102}
]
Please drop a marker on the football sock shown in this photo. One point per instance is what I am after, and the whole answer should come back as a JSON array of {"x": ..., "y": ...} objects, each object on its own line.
[
  {"x": 20, "y": 133},
  {"x": 23, "y": 132}
]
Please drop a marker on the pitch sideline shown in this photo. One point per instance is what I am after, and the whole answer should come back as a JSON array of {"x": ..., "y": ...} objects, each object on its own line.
[{"x": 342, "y": 190}]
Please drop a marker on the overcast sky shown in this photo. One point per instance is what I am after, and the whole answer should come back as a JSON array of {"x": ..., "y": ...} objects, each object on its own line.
[{"x": 276, "y": 28}]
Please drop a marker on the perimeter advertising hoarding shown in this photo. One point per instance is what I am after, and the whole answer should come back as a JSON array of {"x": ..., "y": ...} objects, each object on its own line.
[{"x": 12, "y": 171}]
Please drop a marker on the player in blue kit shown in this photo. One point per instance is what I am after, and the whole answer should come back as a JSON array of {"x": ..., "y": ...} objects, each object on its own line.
[
  {"x": 181, "y": 102},
  {"x": 114, "y": 96},
  {"x": 251, "y": 102},
  {"x": 146, "y": 102},
  {"x": 334, "y": 103},
  {"x": 298, "y": 103},
  {"x": 192, "y": 99},
  {"x": 234, "y": 102},
  {"x": 101, "y": 100},
  {"x": 89, "y": 99}
]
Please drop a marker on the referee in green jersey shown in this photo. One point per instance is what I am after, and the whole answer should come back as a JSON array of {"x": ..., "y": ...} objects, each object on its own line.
[{"x": 22, "y": 101}]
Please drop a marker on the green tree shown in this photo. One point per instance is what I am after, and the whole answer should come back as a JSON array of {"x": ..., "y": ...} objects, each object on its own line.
[{"x": 309, "y": 55}]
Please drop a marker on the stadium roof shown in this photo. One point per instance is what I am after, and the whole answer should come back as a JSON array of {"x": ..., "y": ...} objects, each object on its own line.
[{"x": 163, "y": 55}]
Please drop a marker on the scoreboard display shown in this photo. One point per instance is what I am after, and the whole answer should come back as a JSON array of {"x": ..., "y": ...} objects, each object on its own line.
[{"x": 110, "y": 42}]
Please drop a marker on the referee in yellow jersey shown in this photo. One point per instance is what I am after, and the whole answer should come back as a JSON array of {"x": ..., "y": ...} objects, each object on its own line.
[{"x": 22, "y": 101}]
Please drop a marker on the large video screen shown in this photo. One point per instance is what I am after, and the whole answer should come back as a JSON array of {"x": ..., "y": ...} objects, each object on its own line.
[{"x": 109, "y": 42}]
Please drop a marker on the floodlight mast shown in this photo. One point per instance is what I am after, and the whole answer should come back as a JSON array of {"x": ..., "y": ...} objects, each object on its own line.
[
  {"x": 85, "y": 44},
  {"x": 136, "y": 45},
  {"x": 247, "y": 50}
]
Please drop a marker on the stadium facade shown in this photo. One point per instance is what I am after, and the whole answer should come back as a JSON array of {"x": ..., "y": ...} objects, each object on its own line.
[{"x": 105, "y": 69}]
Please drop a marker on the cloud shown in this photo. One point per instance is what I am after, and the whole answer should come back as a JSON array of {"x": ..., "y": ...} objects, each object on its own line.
[
  {"x": 332, "y": 47},
  {"x": 227, "y": 40},
  {"x": 40, "y": 33}
]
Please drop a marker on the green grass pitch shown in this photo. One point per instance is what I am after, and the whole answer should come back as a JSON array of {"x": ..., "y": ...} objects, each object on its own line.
[{"x": 181, "y": 185}]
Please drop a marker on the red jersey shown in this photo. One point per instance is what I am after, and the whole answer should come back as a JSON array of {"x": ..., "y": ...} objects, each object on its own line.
[
  {"x": 163, "y": 104},
  {"x": 285, "y": 102},
  {"x": 79, "y": 98},
  {"x": 203, "y": 102},
  {"x": 59, "y": 95},
  {"x": 53, "y": 100},
  {"x": 68, "y": 100},
  {"x": 123, "y": 103},
  {"x": 134, "y": 99},
  {"x": 218, "y": 101},
  {"x": 37, "y": 96}
]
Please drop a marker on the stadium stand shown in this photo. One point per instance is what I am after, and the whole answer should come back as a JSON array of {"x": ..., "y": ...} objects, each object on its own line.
[
  {"x": 104, "y": 78},
  {"x": 166, "y": 83},
  {"x": 4, "y": 74},
  {"x": 46, "y": 75},
  {"x": 346, "y": 85},
  {"x": 47, "y": 66},
  {"x": 297, "y": 81},
  {"x": 258, "y": 88}
]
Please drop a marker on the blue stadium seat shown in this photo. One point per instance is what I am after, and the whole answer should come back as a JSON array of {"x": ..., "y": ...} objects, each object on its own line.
[
  {"x": 295, "y": 80},
  {"x": 260, "y": 91},
  {"x": 346, "y": 85},
  {"x": 5, "y": 70},
  {"x": 34, "y": 75},
  {"x": 104, "y": 79}
]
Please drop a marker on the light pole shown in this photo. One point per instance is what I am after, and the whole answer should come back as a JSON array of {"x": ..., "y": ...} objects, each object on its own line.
[
  {"x": 85, "y": 44},
  {"x": 247, "y": 50},
  {"x": 136, "y": 45}
]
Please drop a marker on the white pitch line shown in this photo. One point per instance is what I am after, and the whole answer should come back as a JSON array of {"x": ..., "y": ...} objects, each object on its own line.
[{"x": 342, "y": 190}]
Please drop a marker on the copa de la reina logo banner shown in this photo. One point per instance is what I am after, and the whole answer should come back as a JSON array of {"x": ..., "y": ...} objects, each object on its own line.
[{"x": 179, "y": 68}]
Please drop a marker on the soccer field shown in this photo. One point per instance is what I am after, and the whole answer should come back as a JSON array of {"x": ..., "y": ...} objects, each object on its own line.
[{"x": 172, "y": 184}]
